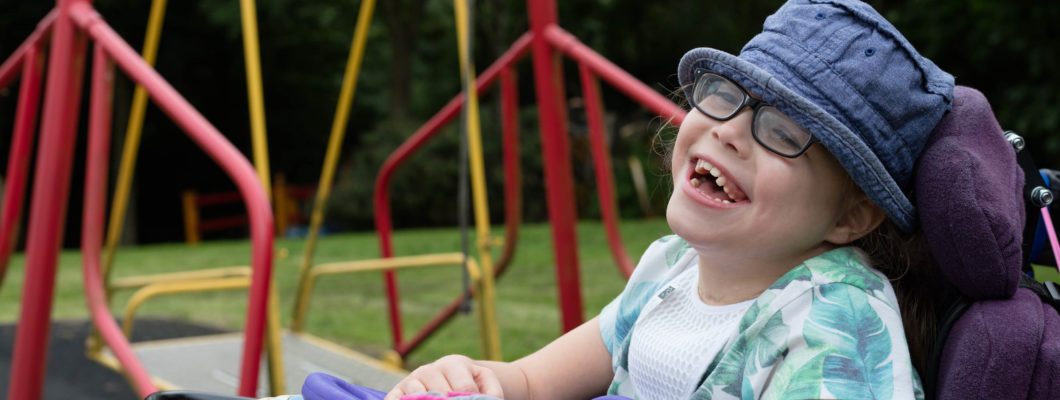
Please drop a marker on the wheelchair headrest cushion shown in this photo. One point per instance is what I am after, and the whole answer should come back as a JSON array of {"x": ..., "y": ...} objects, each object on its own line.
[{"x": 968, "y": 190}]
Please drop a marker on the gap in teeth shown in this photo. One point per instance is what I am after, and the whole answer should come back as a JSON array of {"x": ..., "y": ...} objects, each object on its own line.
[
  {"x": 704, "y": 169},
  {"x": 698, "y": 180}
]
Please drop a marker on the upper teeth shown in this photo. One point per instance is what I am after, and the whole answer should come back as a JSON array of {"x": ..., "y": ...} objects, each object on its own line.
[{"x": 704, "y": 168}]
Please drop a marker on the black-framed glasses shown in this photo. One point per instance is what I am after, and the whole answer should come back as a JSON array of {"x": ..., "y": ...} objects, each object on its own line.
[{"x": 720, "y": 98}]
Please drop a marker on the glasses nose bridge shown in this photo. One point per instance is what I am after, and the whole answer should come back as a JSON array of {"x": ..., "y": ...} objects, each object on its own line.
[
  {"x": 736, "y": 132},
  {"x": 751, "y": 102}
]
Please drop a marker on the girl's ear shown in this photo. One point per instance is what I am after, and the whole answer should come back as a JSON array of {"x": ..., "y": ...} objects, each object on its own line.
[{"x": 861, "y": 217}]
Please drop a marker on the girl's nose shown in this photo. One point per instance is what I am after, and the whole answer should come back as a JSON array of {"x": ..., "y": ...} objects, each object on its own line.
[{"x": 735, "y": 133}]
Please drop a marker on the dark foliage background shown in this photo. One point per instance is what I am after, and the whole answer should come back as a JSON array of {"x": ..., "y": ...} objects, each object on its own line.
[{"x": 1007, "y": 49}]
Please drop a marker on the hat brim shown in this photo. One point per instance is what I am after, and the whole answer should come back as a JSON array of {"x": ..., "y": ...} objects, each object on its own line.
[{"x": 853, "y": 153}]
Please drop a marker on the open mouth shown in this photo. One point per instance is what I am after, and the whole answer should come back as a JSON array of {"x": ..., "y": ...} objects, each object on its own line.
[{"x": 714, "y": 185}]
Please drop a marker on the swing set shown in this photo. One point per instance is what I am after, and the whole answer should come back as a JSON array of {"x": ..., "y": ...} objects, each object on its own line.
[{"x": 73, "y": 22}]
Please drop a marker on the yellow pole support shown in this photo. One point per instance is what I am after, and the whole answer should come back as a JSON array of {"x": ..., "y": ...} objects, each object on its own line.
[
  {"x": 133, "y": 282},
  {"x": 331, "y": 158},
  {"x": 255, "y": 94},
  {"x": 378, "y": 264},
  {"x": 133, "y": 131},
  {"x": 161, "y": 288},
  {"x": 491, "y": 340},
  {"x": 191, "y": 218}
]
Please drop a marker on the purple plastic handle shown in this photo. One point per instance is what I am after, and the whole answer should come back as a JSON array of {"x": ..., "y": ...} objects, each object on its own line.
[{"x": 320, "y": 386}]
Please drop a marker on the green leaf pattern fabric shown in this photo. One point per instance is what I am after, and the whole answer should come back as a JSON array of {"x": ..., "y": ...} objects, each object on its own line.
[{"x": 829, "y": 328}]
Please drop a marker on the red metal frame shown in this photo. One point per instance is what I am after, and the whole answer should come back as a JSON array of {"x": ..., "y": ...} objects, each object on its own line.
[
  {"x": 70, "y": 25},
  {"x": 546, "y": 40},
  {"x": 21, "y": 149}
]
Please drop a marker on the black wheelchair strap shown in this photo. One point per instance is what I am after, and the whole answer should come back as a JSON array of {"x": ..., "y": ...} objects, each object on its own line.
[
  {"x": 1049, "y": 292},
  {"x": 930, "y": 377}
]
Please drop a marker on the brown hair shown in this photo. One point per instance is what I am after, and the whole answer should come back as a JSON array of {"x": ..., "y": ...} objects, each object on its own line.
[{"x": 923, "y": 293}]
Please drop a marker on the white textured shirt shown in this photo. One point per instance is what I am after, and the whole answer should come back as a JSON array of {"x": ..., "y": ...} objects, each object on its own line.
[{"x": 674, "y": 343}]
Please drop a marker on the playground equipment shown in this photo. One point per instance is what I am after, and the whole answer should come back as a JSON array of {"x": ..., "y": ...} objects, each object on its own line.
[
  {"x": 69, "y": 26},
  {"x": 292, "y": 355},
  {"x": 545, "y": 39},
  {"x": 194, "y": 281}
]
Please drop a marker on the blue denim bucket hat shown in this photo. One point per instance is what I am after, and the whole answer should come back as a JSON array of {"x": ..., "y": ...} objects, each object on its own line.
[{"x": 844, "y": 73}]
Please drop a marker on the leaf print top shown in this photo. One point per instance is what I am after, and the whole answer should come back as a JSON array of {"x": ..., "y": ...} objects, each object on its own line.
[{"x": 829, "y": 328}]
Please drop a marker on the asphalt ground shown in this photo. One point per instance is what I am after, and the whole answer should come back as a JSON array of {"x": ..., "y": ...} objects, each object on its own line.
[{"x": 71, "y": 376}]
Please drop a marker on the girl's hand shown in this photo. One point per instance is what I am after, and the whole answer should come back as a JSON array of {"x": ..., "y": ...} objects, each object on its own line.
[{"x": 454, "y": 373}]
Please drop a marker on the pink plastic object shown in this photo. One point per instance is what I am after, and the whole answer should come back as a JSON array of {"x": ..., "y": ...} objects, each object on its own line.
[
  {"x": 435, "y": 396},
  {"x": 1052, "y": 235}
]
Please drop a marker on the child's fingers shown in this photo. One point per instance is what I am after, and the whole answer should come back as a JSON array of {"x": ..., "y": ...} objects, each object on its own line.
[
  {"x": 436, "y": 382},
  {"x": 459, "y": 377},
  {"x": 394, "y": 394},
  {"x": 487, "y": 382},
  {"x": 408, "y": 386}
]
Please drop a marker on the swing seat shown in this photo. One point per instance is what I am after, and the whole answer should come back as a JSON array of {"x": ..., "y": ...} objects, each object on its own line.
[{"x": 1000, "y": 340}]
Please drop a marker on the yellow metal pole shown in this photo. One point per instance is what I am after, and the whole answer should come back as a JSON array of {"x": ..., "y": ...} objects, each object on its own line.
[
  {"x": 331, "y": 159},
  {"x": 256, "y": 98},
  {"x": 161, "y": 288},
  {"x": 133, "y": 282},
  {"x": 133, "y": 131},
  {"x": 491, "y": 340},
  {"x": 255, "y": 94},
  {"x": 378, "y": 264}
]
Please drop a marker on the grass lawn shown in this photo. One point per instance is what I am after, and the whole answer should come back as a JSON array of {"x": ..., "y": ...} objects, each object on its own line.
[{"x": 351, "y": 309}]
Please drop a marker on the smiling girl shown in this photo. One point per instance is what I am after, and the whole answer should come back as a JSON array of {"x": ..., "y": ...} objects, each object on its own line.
[{"x": 793, "y": 151}]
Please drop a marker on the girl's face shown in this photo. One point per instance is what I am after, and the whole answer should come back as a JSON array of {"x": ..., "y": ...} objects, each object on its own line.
[{"x": 747, "y": 204}]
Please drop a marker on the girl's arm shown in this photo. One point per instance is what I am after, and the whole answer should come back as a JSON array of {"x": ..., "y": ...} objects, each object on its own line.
[{"x": 577, "y": 365}]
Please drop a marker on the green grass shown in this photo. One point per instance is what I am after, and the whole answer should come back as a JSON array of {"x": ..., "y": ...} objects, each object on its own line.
[
  {"x": 351, "y": 309},
  {"x": 1044, "y": 273}
]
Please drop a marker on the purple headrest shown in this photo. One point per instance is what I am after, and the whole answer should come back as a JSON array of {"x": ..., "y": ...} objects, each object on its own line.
[{"x": 968, "y": 195}]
